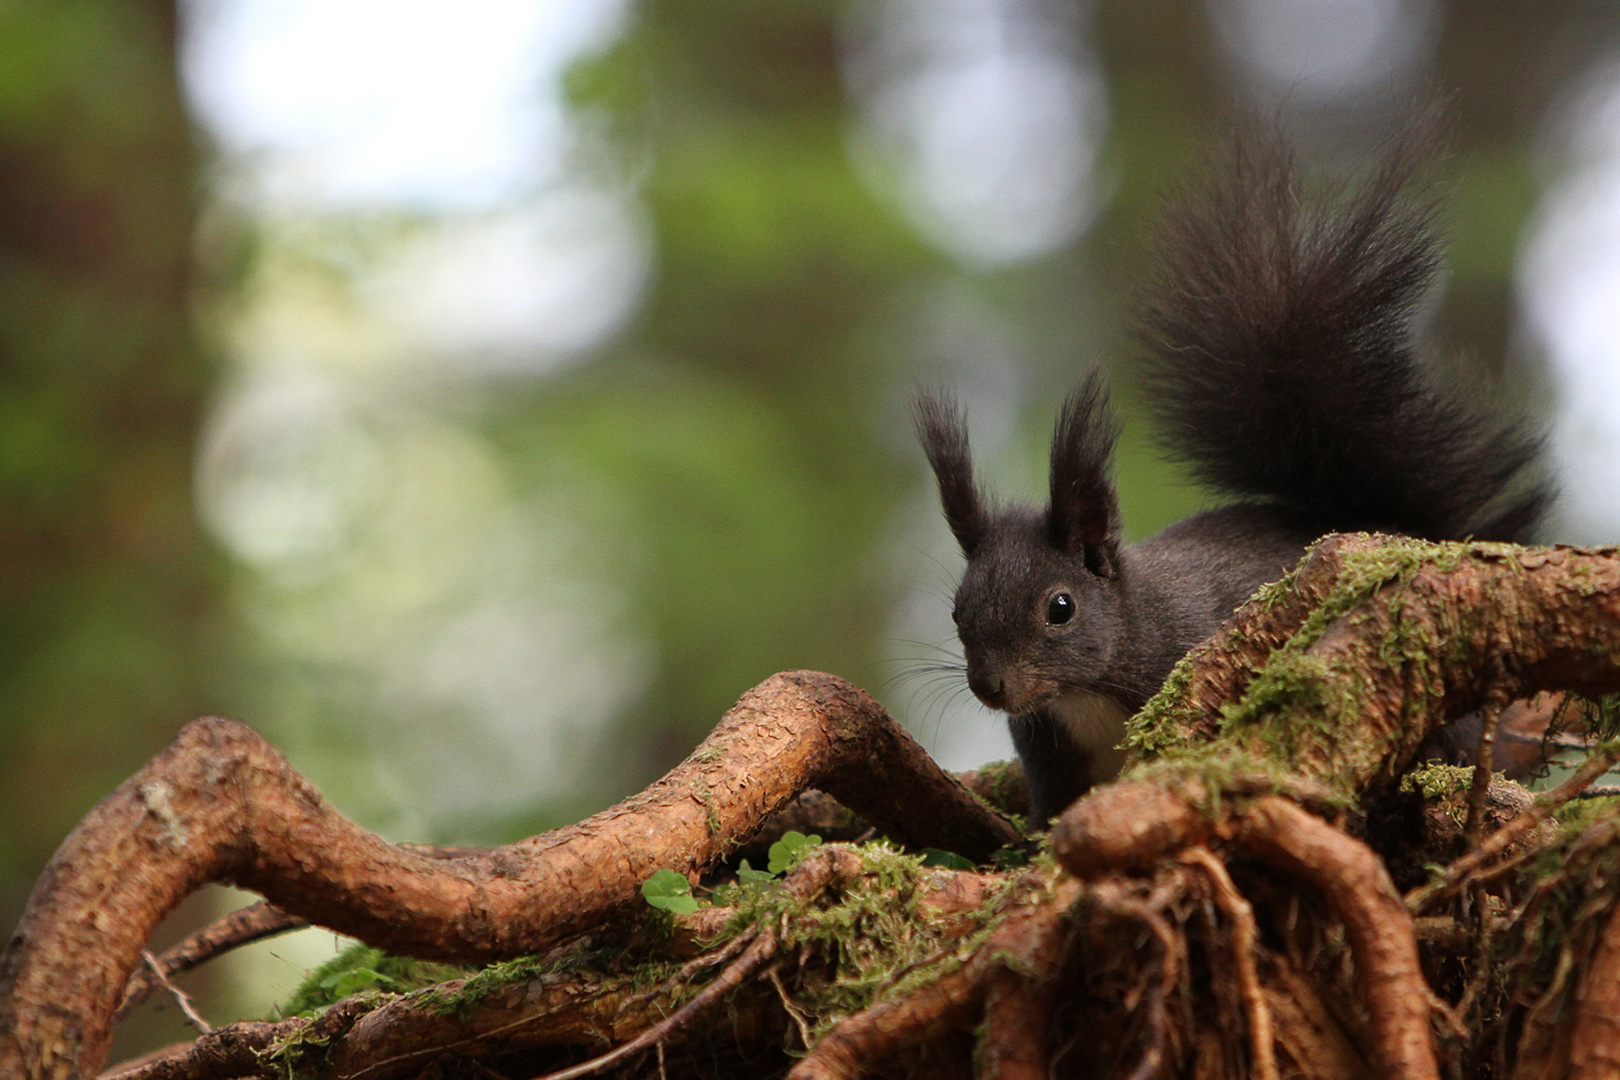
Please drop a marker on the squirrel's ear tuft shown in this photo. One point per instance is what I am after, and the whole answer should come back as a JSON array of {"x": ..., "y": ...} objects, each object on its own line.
[
  {"x": 942, "y": 429},
  {"x": 1083, "y": 517}
]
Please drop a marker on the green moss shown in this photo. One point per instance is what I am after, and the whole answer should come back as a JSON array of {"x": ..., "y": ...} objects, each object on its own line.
[
  {"x": 873, "y": 939},
  {"x": 294, "y": 1056},
  {"x": 870, "y": 940},
  {"x": 706, "y": 797},
  {"x": 1317, "y": 700},
  {"x": 1446, "y": 788},
  {"x": 1227, "y": 774},
  {"x": 363, "y": 968},
  {"x": 1437, "y": 781},
  {"x": 479, "y": 985},
  {"x": 1161, "y": 725},
  {"x": 359, "y": 972}
]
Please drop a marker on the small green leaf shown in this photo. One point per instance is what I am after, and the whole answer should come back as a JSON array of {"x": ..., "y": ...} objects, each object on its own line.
[
  {"x": 950, "y": 860},
  {"x": 670, "y": 891},
  {"x": 1009, "y": 857},
  {"x": 788, "y": 850},
  {"x": 747, "y": 875},
  {"x": 682, "y": 905}
]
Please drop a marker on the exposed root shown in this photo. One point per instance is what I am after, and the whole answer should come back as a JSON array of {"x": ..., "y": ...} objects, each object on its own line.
[
  {"x": 239, "y": 1050},
  {"x": 1357, "y": 887},
  {"x": 221, "y": 805},
  {"x": 1262, "y": 1040},
  {"x": 1017, "y": 1020},
  {"x": 244, "y": 926},
  {"x": 1028, "y": 941},
  {"x": 1594, "y": 1043}
]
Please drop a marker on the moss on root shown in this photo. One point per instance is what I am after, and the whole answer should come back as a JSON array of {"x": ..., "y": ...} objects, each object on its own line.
[{"x": 1322, "y": 741}]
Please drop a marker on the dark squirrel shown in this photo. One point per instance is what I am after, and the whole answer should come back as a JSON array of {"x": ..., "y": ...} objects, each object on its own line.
[{"x": 1281, "y": 365}]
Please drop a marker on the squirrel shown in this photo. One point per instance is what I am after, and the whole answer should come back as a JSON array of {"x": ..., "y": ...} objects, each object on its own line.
[{"x": 1281, "y": 365}]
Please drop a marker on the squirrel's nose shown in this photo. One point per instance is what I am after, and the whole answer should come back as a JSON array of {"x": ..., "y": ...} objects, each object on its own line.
[{"x": 989, "y": 689}]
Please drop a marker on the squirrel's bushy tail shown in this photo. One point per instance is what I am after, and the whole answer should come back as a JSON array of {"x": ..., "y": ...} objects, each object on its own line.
[{"x": 1282, "y": 364}]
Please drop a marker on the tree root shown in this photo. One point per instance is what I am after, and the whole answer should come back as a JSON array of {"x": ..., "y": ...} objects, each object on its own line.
[
  {"x": 1344, "y": 871},
  {"x": 221, "y": 805},
  {"x": 1028, "y": 942},
  {"x": 1262, "y": 1043},
  {"x": 1355, "y": 884},
  {"x": 1594, "y": 1042}
]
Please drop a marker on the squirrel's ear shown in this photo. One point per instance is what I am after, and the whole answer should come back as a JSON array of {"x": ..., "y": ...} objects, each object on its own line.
[
  {"x": 1083, "y": 517},
  {"x": 942, "y": 429}
]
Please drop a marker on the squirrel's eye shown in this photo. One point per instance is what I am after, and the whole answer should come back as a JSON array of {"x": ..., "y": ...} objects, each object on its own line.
[
  {"x": 956, "y": 614},
  {"x": 1059, "y": 609}
]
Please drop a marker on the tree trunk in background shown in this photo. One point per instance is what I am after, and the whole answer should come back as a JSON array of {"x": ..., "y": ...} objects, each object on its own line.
[{"x": 108, "y": 605}]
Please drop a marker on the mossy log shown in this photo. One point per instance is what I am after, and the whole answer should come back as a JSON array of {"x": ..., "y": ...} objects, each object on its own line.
[{"x": 1233, "y": 906}]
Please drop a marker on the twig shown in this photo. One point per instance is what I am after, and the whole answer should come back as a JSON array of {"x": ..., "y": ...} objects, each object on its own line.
[
  {"x": 181, "y": 998},
  {"x": 1479, "y": 971},
  {"x": 821, "y": 871},
  {"x": 1602, "y": 759},
  {"x": 256, "y": 922},
  {"x": 761, "y": 950},
  {"x": 1480, "y": 968},
  {"x": 798, "y": 1015},
  {"x": 1490, "y": 716},
  {"x": 690, "y": 968}
]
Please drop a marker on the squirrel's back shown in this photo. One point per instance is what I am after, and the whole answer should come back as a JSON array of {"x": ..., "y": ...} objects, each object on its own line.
[{"x": 1282, "y": 365}]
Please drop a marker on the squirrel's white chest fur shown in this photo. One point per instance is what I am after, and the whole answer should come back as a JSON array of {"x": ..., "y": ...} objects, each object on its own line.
[{"x": 1095, "y": 725}]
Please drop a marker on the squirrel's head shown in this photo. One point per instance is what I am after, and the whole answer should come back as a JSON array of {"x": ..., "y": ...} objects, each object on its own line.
[{"x": 1039, "y": 607}]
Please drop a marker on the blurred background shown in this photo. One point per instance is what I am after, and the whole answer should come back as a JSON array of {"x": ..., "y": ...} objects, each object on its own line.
[{"x": 478, "y": 400}]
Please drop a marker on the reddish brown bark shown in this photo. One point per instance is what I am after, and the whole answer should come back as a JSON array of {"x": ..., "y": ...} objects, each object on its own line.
[
  {"x": 1017, "y": 1023},
  {"x": 1423, "y": 642}
]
